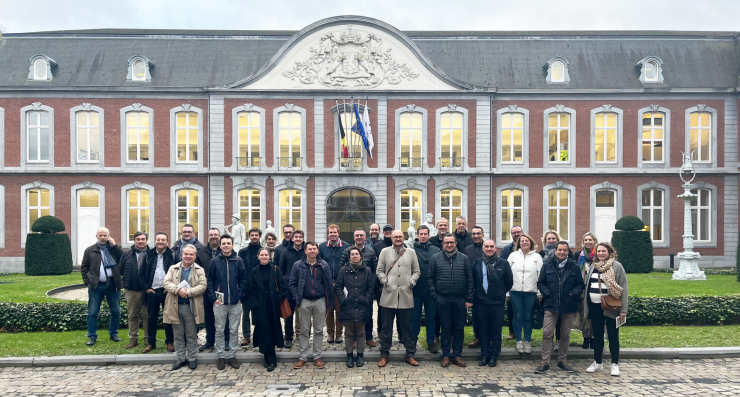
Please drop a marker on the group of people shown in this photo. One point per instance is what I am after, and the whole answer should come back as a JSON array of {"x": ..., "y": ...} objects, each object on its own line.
[{"x": 333, "y": 285}]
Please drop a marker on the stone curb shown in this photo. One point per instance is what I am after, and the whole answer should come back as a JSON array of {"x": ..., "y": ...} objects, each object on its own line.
[
  {"x": 371, "y": 357},
  {"x": 50, "y": 293}
]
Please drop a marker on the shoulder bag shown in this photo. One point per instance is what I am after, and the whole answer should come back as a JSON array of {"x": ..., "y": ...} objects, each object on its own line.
[
  {"x": 609, "y": 302},
  {"x": 285, "y": 310}
]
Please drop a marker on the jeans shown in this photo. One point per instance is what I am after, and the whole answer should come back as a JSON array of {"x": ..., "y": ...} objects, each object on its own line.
[
  {"x": 452, "y": 315},
  {"x": 523, "y": 303},
  {"x": 210, "y": 322},
  {"x": 135, "y": 300},
  {"x": 598, "y": 320},
  {"x": 95, "y": 299},
  {"x": 311, "y": 310},
  {"x": 430, "y": 313},
  {"x": 403, "y": 324},
  {"x": 552, "y": 321},
  {"x": 155, "y": 300},
  {"x": 490, "y": 323},
  {"x": 186, "y": 335},
  {"x": 234, "y": 314}
]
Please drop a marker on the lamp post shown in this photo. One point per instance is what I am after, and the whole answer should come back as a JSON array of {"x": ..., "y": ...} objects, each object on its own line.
[{"x": 689, "y": 260}]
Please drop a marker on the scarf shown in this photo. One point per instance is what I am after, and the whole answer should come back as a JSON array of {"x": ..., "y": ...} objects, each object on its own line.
[
  {"x": 585, "y": 258},
  {"x": 451, "y": 255},
  {"x": 549, "y": 249},
  {"x": 141, "y": 258},
  {"x": 108, "y": 261},
  {"x": 490, "y": 260},
  {"x": 356, "y": 266},
  {"x": 607, "y": 276},
  {"x": 271, "y": 250},
  {"x": 188, "y": 242},
  {"x": 562, "y": 264}
]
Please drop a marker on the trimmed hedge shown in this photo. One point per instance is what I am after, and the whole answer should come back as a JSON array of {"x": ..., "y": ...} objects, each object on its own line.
[
  {"x": 737, "y": 265},
  {"x": 633, "y": 245},
  {"x": 47, "y": 224},
  {"x": 48, "y": 254},
  {"x": 629, "y": 223}
]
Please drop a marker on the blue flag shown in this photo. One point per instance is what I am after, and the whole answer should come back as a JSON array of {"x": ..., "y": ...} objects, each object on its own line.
[{"x": 358, "y": 129}]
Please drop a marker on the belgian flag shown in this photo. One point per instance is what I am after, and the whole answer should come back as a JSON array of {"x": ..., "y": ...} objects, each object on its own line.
[{"x": 341, "y": 134}]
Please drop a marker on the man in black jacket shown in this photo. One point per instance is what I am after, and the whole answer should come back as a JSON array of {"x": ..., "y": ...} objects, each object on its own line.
[
  {"x": 287, "y": 241},
  {"x": 474, "y": 252},
  {"x": 248, "y": 255},
  {"x": 331, "y": 253},
  {"x": 443, "y": 225},
  {"x": 294, "y": 253},
  {"x": 493, "y": 279},
  {"x": 188, "y": 237},
  {"x": 101, "y": 264},
  {"x": 561, "y": 286},
  {"x": 131, "y": 261},
  {"x": 461, "y": 233},
  {"x": 371, "y": 261},
  {"x": 203, "y": 258},
  {"x": 450, "y": 281},
  {"x": 151, "y": 278},
  {"x": 385, "y": 242},
  {"x": 424, "y": 251}
]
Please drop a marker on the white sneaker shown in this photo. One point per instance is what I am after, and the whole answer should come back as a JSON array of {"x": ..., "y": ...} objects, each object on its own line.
[
  {"x": 595, "y": 367},
  {"x": 615, "y": 369},
  {"x": 527, "y": 347},
  {"x": 520, "y": 347}
]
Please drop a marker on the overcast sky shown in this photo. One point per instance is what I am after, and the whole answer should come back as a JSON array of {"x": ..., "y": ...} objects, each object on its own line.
[{"x": 17, "y": 16}]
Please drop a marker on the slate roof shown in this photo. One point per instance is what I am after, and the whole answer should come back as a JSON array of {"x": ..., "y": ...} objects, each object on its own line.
[{"x": 195, "y": 59}]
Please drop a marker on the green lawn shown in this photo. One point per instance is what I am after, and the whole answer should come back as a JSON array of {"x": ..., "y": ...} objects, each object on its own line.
[
  {"x": 660, "y": 284},
  {"x": 22, "y": 288},
  {"x": 71, "y": 343}
]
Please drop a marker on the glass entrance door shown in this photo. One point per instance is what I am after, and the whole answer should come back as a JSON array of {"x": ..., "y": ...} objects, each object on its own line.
[{"x": 350, "y": 209}]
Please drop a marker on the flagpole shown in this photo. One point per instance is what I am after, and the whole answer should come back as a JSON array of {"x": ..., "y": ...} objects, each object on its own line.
[{"x": 352, "y": 112}]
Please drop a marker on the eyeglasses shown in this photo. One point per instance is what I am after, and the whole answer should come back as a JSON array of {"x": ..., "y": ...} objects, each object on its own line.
[{"x": 449, "y": 242}]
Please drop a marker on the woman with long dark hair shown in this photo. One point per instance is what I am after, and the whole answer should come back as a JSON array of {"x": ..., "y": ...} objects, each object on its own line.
[{"x": 584, "y": 259}]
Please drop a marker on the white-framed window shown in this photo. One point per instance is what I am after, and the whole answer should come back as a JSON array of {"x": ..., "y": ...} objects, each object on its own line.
[
  {"x": 411, "y": 209},
  {"x": 38, "y": 136},
  {"x": 187, "y": 137},
  {"x": 700, "y": 136},
  {"x": 557, "y": 70},
  {"x": 651, "y": 70},
  {"x": 411, "y": 129},
  {"x": 137, "y": 213},
  {"x": 249, "y": 131},
  {"x": 40, "y": 69},
  {"x": 88, "y": 136},
  {"x": 250, "y": 207},
  {"x": 291, "y": 207},
  {"x": 558, "y": 212},
  {"x": 701, "y": 211},
  {"x": 512, "y": 209},
  {"x": 137, "y": 136},
  {"x": 558, "y": 136},
  {"x": 653, "y": 137},
  {"x": 290, "y": 134},
  {"x": 351, "y": 146},
  {"x": 38, "y": 204},
  {"x": 139, "y": 70},
  {"x": 512, "y": 138},
  {"x": 451, "y": 203},
  {"x": 605, "y": 143},
  {"x": 451, "y": 140},
  {"x": 653, "y": 207},
  {"x": 188, "y": 210}
]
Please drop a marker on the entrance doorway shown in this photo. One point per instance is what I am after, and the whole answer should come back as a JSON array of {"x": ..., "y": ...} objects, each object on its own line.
[
  {"x": 350, "y": 209},
  {"x": 606, "y": 214},
  {"x": 88, "y": 219}
]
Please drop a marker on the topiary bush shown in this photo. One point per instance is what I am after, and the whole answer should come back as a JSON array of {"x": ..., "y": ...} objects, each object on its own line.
[
  {"x": 48, "y": 253},
  {"x": 634, "y": 246}
]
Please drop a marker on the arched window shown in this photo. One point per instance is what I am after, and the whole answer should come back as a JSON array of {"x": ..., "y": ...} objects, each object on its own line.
[
  {"x": 651, "y": 71},
  {"x": 511, "y": 211},
  {"x": 350, "y": 209},
  {"x": 250, "y": 207},
  {"x": 139, "y": 71},
  {"x": 40, "y": 69},
  {"x": 558, "y": 72}
]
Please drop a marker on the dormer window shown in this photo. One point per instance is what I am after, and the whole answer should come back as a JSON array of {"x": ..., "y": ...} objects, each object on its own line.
[
  {"x": 40, "y": 69},
  {"x": 139, "y": 69},
  {"x": 651, "y": 70},
  {"x": 557, "y": 70}
]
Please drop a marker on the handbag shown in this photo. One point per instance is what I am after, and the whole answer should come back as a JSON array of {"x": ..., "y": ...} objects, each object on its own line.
[
  {"x": 285, "y": 311},
  {"x": 609, "y": 302},
  {"x": 538, "y": 315}
]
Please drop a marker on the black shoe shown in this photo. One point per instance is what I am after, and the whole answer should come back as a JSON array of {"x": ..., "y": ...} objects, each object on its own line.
[
  {"x": 208, "y": 345},
  {"x": 565, "y": 367},
  {"x": 115, "y": 338},
  {"x": 178, "y": 365},
  {"x": 586, "y": 342},
  {"x": 227, "y": 348},
  {"x": 270, "y": 367},
  {"x": 193, "y": 365},
  {"x": 483, "y": 361},
  {"x": 360, "y": 360},
  {"x": 221, "y": 363},
  {"x": 492, "y": 362},
  {"x": 91, "y": 341},
  {"x": 288, "y": 343},
  {"x": 350, "y": 360},
  {"x": 542, "y": 368}
]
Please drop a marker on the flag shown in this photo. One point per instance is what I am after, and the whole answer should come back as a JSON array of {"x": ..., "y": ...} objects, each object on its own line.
[
  {"x": 368, "y": 131},
  {"x": 360, "y": 130},
  {"x": 341, "y": 134}
]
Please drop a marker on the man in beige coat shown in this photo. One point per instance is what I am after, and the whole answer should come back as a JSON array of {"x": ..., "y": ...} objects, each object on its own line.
[
  {"x": 183, "y": 306},
  {"x": 398, "y": 271}
]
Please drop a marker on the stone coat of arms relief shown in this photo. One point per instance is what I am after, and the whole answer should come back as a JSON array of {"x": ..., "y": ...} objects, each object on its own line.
[{"x": 352, "y": 59}]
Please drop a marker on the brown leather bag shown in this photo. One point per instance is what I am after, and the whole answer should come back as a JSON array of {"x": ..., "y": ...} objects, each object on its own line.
[
  {"x": 285, "y": 311},
  {"x": 609, "y": 302}
]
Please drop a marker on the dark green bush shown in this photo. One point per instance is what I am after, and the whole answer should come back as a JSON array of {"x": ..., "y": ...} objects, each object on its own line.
[
  {"x": 737, "y": 265},
  {"x": 47, "y": 224},
  {"x": 629, "y": 223},
  {"x": 48, "y": 254}
]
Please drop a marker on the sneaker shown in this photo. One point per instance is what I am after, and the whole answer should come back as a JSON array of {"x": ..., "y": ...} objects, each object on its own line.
[
  {"x": 519, "y": 347},
  {"x": 565, "y": 367},
  {"x": 542, "y": 368},
  {"x": 595, "y": 367},
  {"x": 527, "y": 347},
  {"x": 615, "y": 369},
  {"x": 91, "y": 341}
]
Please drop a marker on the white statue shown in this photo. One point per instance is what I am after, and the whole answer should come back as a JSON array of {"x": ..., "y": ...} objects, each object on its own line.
[
  {"x": 268, "y": 229},
  {"x": 430, "y": 224},
  {"x": 238, "y": 233},
  {"x": 412, "y": 233}
]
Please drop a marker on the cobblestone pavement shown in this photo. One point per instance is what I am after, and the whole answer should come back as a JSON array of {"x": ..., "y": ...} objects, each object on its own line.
[{"x": 665, "y": 378}]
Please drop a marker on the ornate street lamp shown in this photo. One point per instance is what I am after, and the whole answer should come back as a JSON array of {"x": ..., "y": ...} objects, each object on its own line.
[{"x": 689, "y": 260}]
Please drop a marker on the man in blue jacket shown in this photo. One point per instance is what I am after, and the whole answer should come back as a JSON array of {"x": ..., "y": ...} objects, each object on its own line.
[
  {"x": 561, "y": 286},
  {"x": 331, "y": 252},
  {"x": 227, "y": 276}
]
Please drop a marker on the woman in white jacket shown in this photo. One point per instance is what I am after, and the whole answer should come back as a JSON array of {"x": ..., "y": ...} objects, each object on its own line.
[{"x": 525, "y": 264}]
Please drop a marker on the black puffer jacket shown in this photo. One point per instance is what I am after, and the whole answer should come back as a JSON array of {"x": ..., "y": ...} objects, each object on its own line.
[
  {"x": 368, "y": 259},
  {"x": 424, "y": 252},
  {"x": 130, "y": 270},
  {"x": 380, "y": 245},
  {"x": 360, "y": 287},
  {"x": 560, "y": 290},
  {"x": 179, "y": 244},
  {"x": 289, "y": 257},
  {"x": 474, "y": 252},
  {"x": 451, "y": 277},
  {"x": 463, "y": 240}
]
